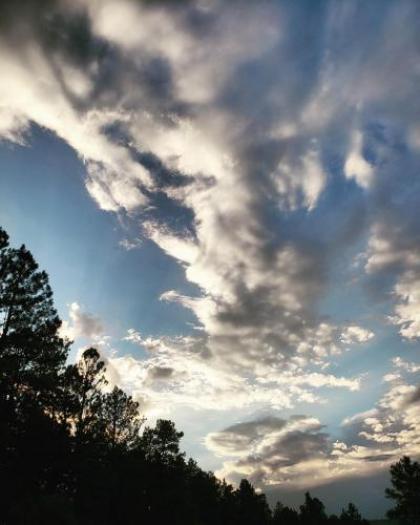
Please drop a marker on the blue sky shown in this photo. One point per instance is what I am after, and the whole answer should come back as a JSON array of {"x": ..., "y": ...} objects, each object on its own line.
[{"x": 225, "y": 197}]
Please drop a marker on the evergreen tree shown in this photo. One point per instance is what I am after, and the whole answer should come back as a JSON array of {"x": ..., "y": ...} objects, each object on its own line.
[
  {"x": 253, "y": 508},
  {"x": 312, "y": 512},
  {"x": 228, "y": 504},
  {"x": 167, "y": 483},
  {"x": 32, "y": 356},
  {"x": 283, "y": 515},
  {"x": 204, "y": 493},
  {"x": 32, "y": 353},
  {"x": 82, "y": 396},
  {"x": 4, "y": 243},
  {"x": 334, "y": 520},
  {"x": 405, "y": 491},
  {"x": 161, "y": 443},
  {"x": 351, "y": 515},
  {"x": 120, "y": 415}
]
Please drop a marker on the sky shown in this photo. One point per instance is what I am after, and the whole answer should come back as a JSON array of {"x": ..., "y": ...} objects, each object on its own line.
[{"x": 226, "y": 198}]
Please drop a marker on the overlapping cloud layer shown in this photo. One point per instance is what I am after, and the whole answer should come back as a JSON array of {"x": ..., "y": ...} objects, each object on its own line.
[
  {"x": 299, "y": 453},
  {"x": 244, "y": 116}
]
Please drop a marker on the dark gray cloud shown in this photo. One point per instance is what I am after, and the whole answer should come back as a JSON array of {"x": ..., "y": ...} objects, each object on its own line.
[
  {"x": 160, "y": 372},
  {"x": 297, "y": 453},
  {"x": 414, "y": 398},
  {"x": 268, "y": 447}
]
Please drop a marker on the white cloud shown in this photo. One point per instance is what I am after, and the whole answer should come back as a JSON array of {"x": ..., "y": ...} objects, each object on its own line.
[
  {"x": 407, "y": 311},
  {"x": 182, "y": 372},
  {"x": 180, "y": 247},
  {"x": 40, "y": 88},
  {"x": 356, "y": 166},
  {"x": 298, "y": 453},
  {"x": 406, "y": 366},
  {"x": 130, "y": 244},
  {"x": 391, "y": 377},
  {"x": 82, "y": 324},
  {"x": 356, "y": 334},
  {"x": 13, "y": 126},
  {"x": 394, "y": 248},
  {"x": 293, "y": 453},
  {"x": 305, "y": 175}
]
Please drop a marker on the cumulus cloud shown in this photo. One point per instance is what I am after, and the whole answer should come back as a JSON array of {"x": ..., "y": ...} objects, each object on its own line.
[
  {"x": 182, "y": 372},
  {"x": 356, "y": 166},
  {"x": 292, "y": 453},
  {"x": 404, "y": 365},
  {"x": 81, "y": 324},
  {"x": 407, "y": 311},
  {"x": 394, "y": 423},
  {"x": 356, "y": 334},
  {"x": 299, "y": 453},
  {"x": 258, "y": 437},
  {"x": 394, "y": 249}
]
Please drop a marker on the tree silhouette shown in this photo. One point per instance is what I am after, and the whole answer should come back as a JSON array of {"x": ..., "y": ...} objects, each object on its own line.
[
  {"x": 32, "y": 355},
  {"x": 82, "y": 395},
  {"x": 120, "y": 415},
  {"x": 204, "y": 493},
  {"x": 351, "y": 515},
  {"x": 405, "y": 491},
  {"x": 283, "y": 515},
  {"x": 252, "y": 507},
  {"x": 227, "y": 504},
  {"x": 161, "y": 443},
  {"x": 312, "y": 511},
  {"x": 167, "y": 483},
  {"x": 31, "y": 351}
]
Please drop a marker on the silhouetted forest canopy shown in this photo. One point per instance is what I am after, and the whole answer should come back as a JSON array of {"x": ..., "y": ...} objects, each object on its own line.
[{"x": 76, "y": 451}]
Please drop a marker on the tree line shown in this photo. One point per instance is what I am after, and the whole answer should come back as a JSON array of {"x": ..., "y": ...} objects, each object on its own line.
[{"x": 75, "y": 451}]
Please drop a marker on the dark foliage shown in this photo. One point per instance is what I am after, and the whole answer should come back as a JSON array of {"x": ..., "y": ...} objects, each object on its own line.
[
  {"x": 351, "y": 515},
  {"x": 405, "y": 491},
  {"x": 283, "y": 515},
  {"x": 72, "y": 450}
]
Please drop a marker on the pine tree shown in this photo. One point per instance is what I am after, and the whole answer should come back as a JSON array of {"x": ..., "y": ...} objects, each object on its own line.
[
  {"x": 82, "y": 393},
  {"x": 312, "y": 511},
  {"x": 283, "y": 515},
  {"x": 32, "y": 353},
  {"x": 162, "y": 442},
  {"x": 32, "y": 357},
  {"x": 351, "y": 515},
  {"x": 252, "y": 507},
  {"x": 405, "y": 491},
  {"x": 121, "y": 417}
]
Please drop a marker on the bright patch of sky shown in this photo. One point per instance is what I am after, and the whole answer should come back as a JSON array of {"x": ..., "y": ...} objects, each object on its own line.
[{"x": 225, "y": 196}]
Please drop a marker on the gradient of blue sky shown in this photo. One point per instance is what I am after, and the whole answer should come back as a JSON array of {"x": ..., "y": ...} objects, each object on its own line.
[{"x": 226, "y": 200}]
